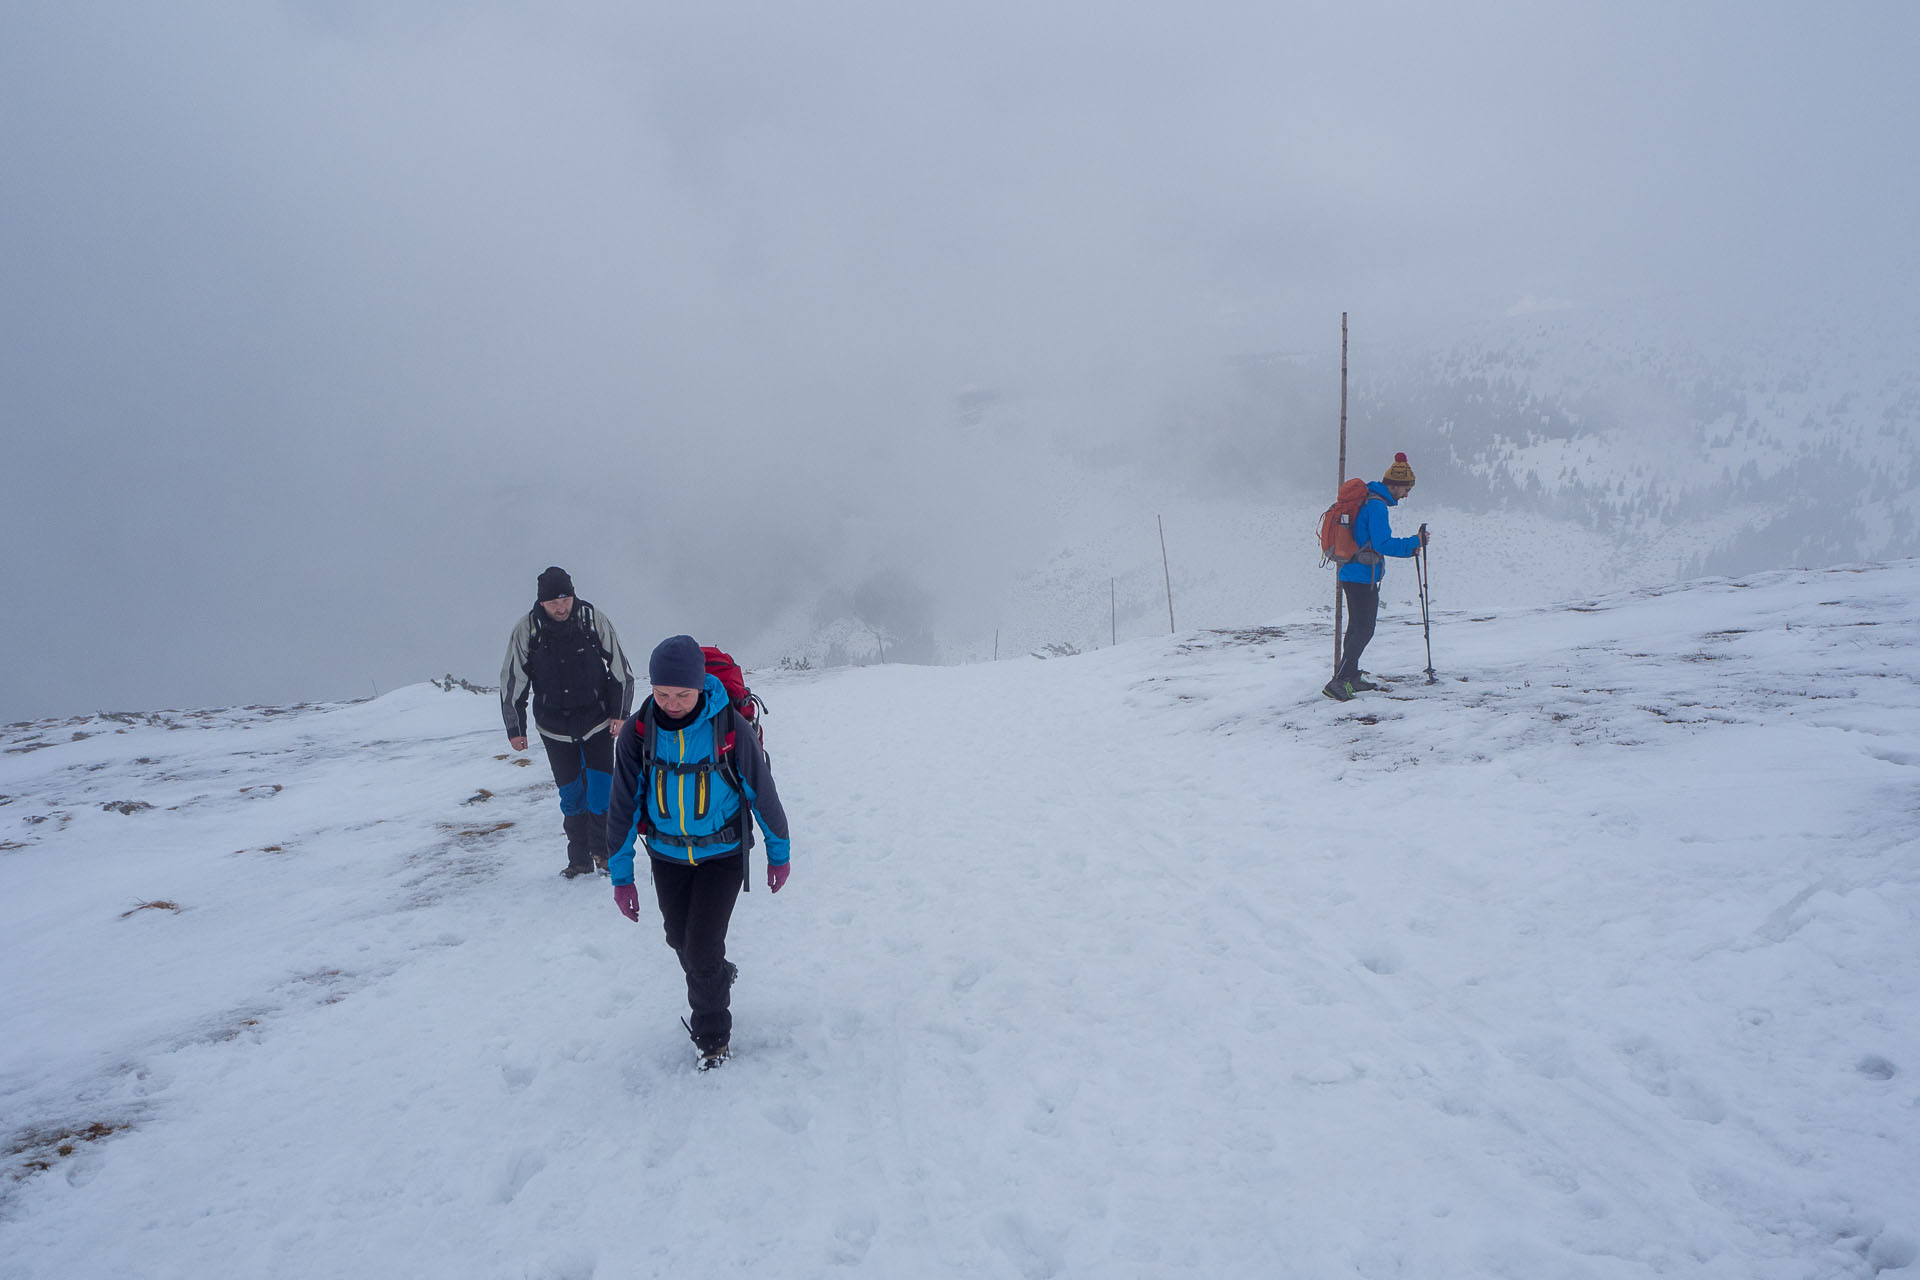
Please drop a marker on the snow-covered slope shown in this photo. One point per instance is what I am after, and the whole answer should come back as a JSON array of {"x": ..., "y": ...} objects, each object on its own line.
[{"x": 1594, "y": 959}]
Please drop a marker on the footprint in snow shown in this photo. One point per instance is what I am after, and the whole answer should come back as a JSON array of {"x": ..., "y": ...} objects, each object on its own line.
[
  {"x": 520, "y": 1170},
  {"x": 1381, "y": 957},
  {"x": 1660, "y": 1076},
  {"x": 788, "y": 1117},
  {"x": 853, "y": 1234}
]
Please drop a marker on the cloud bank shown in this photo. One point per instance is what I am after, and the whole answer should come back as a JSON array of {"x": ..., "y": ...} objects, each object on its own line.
[{"x": 324, "y": 327}]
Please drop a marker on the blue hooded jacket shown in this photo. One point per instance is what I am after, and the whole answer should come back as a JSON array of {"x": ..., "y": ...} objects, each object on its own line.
[
  {"x": 1373, "y": 532},
  {"x": 682, "y": 810}
]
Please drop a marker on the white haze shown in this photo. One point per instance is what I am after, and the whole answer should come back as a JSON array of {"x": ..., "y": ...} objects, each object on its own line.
[{"x": 324, "y": 327}]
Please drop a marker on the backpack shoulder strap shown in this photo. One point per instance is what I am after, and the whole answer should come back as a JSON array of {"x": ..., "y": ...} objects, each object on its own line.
[
  {"x": 726, "y": 740},
  {"x": 590, "y": 620},
  {"x": 726, "y": 756},
  {"x": 643, "y": 729}
]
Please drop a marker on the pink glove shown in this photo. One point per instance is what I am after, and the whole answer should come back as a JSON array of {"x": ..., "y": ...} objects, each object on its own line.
[
  {"x": 777, "y": 874},
  {"x": 627, "y": 898}
]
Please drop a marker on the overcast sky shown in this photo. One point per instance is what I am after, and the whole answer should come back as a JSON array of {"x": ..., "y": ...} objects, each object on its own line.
[{"x": 324, "y": 326}]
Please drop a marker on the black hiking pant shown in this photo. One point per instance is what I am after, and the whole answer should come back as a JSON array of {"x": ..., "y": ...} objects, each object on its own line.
[
  {"x": 1363, "y": 610},
  {"x": 583, "y": 773},
  {"x": 696, "y": 905}
]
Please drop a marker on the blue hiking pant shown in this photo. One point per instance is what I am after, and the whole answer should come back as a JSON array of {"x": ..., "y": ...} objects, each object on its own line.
[{"x": 583, "y": 773}]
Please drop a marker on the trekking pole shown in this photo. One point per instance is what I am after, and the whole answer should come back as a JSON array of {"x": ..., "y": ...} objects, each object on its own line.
[{"x": 1426, "y": 623}]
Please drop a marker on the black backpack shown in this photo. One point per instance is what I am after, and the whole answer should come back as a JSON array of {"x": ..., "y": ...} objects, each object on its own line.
[{"x": 568, "y": 678}]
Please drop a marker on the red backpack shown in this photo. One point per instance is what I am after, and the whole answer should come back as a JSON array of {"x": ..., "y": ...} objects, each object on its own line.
[
  {"x": 720, "y": 664},
  {"x": 1336, "y": 526}
]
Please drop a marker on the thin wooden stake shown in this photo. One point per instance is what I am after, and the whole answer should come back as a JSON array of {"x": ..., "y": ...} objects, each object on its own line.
[
  {"x": 1165, "y": 570},
  {"x": 1339, "y": 601}
]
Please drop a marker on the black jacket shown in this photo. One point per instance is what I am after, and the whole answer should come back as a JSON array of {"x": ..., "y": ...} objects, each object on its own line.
[{"x": 575, "y": 671}]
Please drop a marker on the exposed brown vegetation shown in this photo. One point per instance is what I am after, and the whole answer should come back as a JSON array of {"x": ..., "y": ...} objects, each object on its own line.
[
  {"x": 43, "y": 1147},
  {"x": 478, "y": 830}
]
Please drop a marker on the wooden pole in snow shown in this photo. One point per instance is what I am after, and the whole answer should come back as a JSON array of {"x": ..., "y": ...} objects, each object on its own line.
[
  {"x": 1339, "y": 601},
  {"x": 1165, "y": 570}
]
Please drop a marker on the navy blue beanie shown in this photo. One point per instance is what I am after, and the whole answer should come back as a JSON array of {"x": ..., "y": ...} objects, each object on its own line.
[{"x": 677, "y": 663}]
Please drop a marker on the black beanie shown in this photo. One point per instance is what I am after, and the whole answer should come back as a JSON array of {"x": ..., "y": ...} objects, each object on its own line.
[
  {"x": 554, "y": 583},
  {"x": 677, "y": 663}
]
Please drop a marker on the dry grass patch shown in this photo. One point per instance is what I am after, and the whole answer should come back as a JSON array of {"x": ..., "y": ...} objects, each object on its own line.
[
  {"x": 476, "y": 831},
  {"x": 44, "y": 1147}
]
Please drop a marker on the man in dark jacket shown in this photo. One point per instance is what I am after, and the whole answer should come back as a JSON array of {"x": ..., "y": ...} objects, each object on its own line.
[
  {"x": 687, "y": 770},
  {"x": 1360, "y": 578},
  {"x": 565, "y": 653}
]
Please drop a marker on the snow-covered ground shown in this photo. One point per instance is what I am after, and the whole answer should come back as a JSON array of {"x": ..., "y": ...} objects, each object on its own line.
[{"x": 1595, "y": 959}]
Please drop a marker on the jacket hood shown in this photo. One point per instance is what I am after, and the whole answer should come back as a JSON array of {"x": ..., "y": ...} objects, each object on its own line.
[
  {"x": 715, "y": 701},
  {"x": 1379, "y": 490}
]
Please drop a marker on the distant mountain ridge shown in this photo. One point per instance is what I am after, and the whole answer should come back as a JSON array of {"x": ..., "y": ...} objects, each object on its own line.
[
  {"x": 1806, "y": 440},
  {"x": 1560, "y": 452}
]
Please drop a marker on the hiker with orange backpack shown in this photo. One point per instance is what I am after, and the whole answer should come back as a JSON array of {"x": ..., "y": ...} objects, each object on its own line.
[
  {"x": 688, "y": 768},
  {"x": 1360, "y": 575}
]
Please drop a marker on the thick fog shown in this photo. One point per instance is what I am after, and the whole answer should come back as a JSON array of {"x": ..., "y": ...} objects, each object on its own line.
[{"x": 324, "y": 326}]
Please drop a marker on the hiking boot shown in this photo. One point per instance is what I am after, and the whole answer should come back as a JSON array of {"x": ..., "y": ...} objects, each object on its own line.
[
  {"x": 570, "y": 871},
  {"x": 600, "y": 864},
  {"x": 1360, "y": 684},
  {"x": 1339, "y": 690},
  {"x": 712, "y": 1050}
]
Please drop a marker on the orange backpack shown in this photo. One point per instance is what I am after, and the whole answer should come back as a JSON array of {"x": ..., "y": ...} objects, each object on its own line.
[{"x": 1336, "y": 527}]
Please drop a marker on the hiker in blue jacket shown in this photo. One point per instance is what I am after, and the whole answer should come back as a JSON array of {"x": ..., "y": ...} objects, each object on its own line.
[
  {"x": 687, "y": 769},
  {"x": 1360, "y": 579}
]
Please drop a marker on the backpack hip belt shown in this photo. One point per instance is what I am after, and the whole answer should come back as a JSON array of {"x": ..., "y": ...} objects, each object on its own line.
[
  {"x": 594, "y": 732},
  {"x": 729, "y": 834},
  {"x": 699, "y": 766}
]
